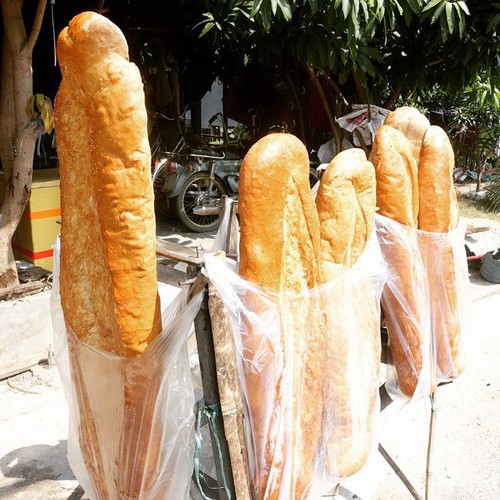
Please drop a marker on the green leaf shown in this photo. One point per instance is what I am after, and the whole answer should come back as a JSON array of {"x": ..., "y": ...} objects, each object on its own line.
[
  {"x": 415, "y": 5},
  {"x": 398, "y": 6},
  {"x": 274, "y": 6},
  {"x": 408, "y": 16},
  {"x": 464, "y": 7},
  {"x": 286, "y": 9},
  {"x": 450, "y": 17},
  {"x": 461, "y": 24},
  {"x": 336, "y": 4},
  {"x": 495, "y": 101},
  {"x": 346, "y": 8},
  {"x": 366, "y": 13},
  {"x": 483, "y": 97},
  {"x": 206, "y": 29},
  {"x": 493, "y": 23},
  {"x": 356, "y": 6},
  {"x": 437, "y": 13},
  {"x": 355, "y": 25},
  {"x": 256, "y": 7},
  {"x": 432, "y": 4},
  {"x": 444, "y": 28},
  {"x": 313, "y": 5}
]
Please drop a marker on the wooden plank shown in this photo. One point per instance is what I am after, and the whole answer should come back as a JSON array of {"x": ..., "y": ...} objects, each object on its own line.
[
  {"x": 230, "y": 393},
  {"x": 429, "y": 469},
  {"x": 385, "y": 399},
  {"x": 170, "y": 275},
  {"x": 178, "y": 252},
  {"x": 394, "y": 466},
  {"x": 206, "y": 354}
]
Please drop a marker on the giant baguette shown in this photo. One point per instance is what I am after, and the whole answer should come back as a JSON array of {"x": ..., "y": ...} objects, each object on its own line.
[
  {"x": 404, "y": 300},
  {"x": 412, "y": 124},
  {"x": 108, "y": 261},
  {"x": 346, "y": 208},
  {"x": 439, "y": 214},
  {"x": 108, "y": 264},
  {"x": 279, "y": 250}
]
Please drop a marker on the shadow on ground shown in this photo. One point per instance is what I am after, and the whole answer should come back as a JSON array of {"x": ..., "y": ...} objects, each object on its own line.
[{"x": 31, "y": 464}]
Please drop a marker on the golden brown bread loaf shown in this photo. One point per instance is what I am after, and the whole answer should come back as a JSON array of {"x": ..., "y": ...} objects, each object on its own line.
[
  {"x": 108, "y": 259},
  {"x": 397, "y": 198},
  {"x": 346, "y": 208},
  {"x": 279, "y": 251},
  {"x": 412, "y": 124},
  {"x": 439, "y": 214},
  {"x": 397, "y": 177},
  {"x": 108, "y": 264}
]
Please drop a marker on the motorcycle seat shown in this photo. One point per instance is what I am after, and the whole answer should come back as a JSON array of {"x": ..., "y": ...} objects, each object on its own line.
[{"x": 206, "y": 152}]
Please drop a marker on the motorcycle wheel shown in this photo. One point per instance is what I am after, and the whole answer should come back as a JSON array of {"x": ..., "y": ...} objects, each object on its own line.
[
  {"x": 194, "y": 193},
  {"x": 161, "y": 200}
]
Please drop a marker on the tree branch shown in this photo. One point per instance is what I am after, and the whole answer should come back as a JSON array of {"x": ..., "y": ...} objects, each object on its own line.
[
  {"x": 396, "y": 92},
  {"x": 333, "y": 125},
  {"x": 361, "y": 96},
  {"x": 362, "y": 143},
  {"x": 334, "y": 85},
  {"x": 37, "y": 24},
  {"x": 299, "y": 106},
  {"x": 413, "y": 90}
]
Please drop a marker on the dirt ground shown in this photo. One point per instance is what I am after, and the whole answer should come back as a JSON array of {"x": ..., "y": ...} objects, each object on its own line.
[{"x": 465, "y": 464}]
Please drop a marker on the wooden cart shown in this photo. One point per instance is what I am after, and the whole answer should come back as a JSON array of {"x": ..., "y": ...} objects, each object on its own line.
[{"x": 220, "y": 380}]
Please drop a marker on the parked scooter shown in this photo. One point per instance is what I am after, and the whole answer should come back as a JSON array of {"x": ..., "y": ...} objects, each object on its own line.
[{"x": 189, "y": 181}]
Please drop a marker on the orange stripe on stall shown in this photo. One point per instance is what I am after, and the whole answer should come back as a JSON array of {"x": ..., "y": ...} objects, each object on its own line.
[
  {"x": 42, "y": 254},
  {"x": 42, "y": 214}
]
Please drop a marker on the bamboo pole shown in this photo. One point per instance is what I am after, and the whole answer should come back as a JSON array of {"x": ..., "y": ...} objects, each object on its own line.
[{"x": 429, "y": 473}]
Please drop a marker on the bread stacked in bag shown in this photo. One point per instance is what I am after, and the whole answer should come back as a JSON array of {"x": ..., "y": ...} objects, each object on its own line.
[
  {"x": 444, "y": 262},
  {"x": 108, "y": 280},
  {"x": 414, "y": 163},
  {"x": 310, "y": 407}
]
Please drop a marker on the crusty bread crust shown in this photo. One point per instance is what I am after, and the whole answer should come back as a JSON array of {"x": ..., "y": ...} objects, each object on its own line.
[
  {"x": 412, "y": 124},
  {"x": 108, "y": 279},
  {"x": 279, "y": 251},
  {"x": 397, "y": 177},
  {"x": 346, "y": 208},
  {"x": 397, "y": 198},
  {"x": 438, "y": 212},
  {"x": 108, "y": 246}
]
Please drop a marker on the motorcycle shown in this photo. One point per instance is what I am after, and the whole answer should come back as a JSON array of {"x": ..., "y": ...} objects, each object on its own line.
[{"x": 190, "y": 181}]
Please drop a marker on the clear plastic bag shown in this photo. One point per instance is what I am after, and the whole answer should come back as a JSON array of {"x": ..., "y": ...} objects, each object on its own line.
[
  {"x": 309, "y": 371},
  {"x": 445, "y": 262},
  {"x": 425, "y": 306},
  {"x": 405, "y": 304},
  {"x": 131, "y": 432}
]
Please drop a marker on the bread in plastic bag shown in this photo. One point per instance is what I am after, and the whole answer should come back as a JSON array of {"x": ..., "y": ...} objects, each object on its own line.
[
  {"x": 131, "y": 432},
  {"x": 405, "y": 304},
  {"x": 445, "y": 262},
  {"x": 316, "y": 347},
  {"x": 425, "y": 306}
]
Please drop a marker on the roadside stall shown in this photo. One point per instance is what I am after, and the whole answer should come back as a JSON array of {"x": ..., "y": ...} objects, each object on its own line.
[{"x": 286, "y": 307}]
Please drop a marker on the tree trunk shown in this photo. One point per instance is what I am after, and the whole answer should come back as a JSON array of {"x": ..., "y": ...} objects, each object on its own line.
[
  {"x": 337, "y": 134},
  {"x": 17, "y": 135},
  {"x": 361, "y": 96}
]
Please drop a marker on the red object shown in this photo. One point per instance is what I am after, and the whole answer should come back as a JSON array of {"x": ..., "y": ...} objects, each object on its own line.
[
  {"x": 43, "y": 254},
  {"x": 171, "y": 167}
]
